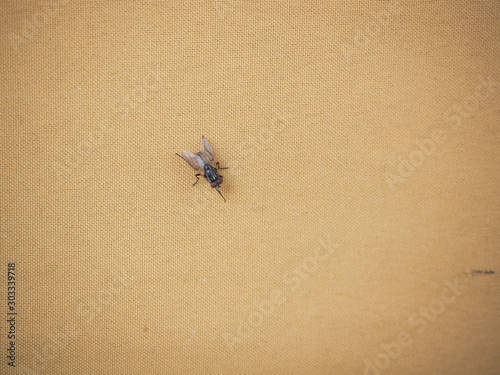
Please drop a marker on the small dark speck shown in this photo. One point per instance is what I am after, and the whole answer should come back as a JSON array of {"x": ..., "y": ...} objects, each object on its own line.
[{"x": 484, "y": 272}]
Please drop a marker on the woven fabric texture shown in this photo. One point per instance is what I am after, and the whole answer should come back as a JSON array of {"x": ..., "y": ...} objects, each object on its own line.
[{"x": 361, "y": 229}]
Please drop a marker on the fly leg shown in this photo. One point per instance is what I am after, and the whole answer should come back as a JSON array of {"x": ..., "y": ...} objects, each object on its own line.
[
  {"x": 197, "y": 178},
  {"x": 218, "y": 166}
]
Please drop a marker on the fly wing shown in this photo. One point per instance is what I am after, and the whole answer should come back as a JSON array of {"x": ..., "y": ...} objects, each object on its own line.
[
  {"x": 208, "y": 152},
  {"x": 194, "y": 160}
]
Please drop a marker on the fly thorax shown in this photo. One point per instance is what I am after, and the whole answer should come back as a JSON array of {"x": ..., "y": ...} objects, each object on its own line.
[{"x": 211, "y": 173}]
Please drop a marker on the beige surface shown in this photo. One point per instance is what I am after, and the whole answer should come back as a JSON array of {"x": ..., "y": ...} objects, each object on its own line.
[{"x": 343, "y": 248}]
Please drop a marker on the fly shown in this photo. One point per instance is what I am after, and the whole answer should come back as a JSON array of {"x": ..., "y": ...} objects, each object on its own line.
[{"x": 204, "y": 161}]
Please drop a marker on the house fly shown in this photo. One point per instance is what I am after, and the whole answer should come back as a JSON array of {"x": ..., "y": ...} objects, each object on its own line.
[{"x": 204, "y": 161}]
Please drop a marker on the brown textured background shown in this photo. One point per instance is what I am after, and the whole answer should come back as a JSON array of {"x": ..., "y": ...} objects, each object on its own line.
[{"x": 319, "y": 109}]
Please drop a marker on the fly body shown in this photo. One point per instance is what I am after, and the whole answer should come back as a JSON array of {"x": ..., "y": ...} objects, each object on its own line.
[{"x": 204, "y": 162}]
